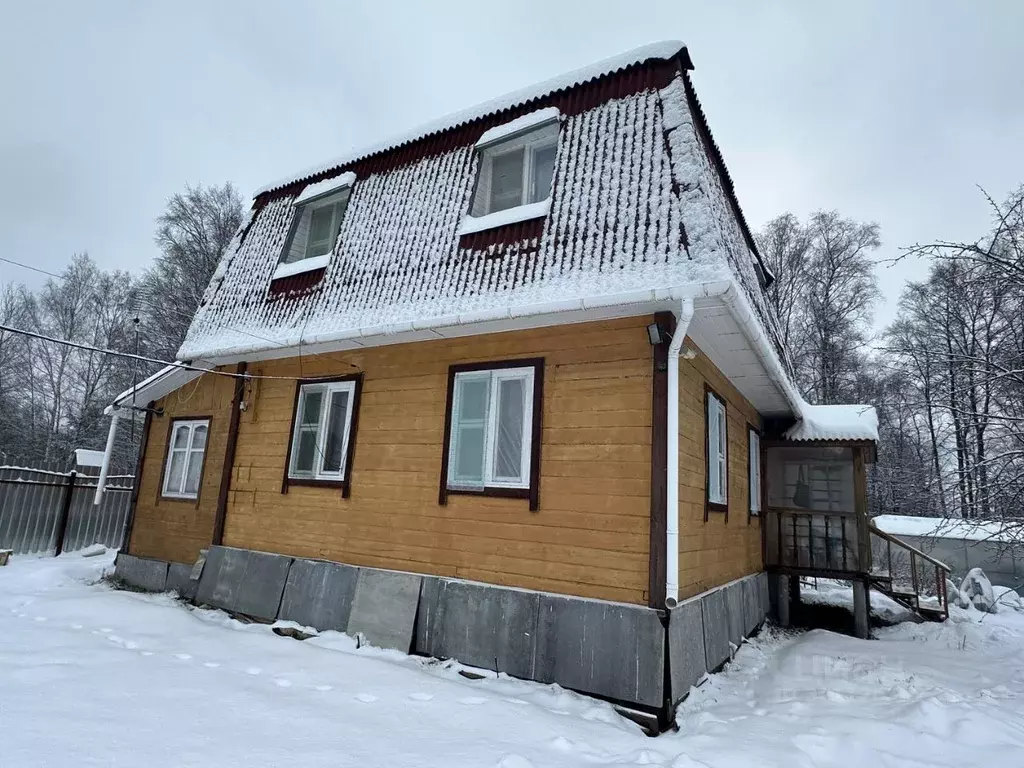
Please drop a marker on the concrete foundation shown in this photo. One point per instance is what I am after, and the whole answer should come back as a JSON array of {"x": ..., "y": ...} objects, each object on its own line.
[
  {"x": 614, "y": 650},
  {"x": 609, "y": 649},
  {"x": 244, "y": 581},
  {"x": 141, "y": 572},
  {"x": 716, "y": 628},
  {"x": 319, "y": 594},
  {"x": 478, "y": 625},
  {"x": 179, "y": 580},
  {"x": 384, "y": 608}
]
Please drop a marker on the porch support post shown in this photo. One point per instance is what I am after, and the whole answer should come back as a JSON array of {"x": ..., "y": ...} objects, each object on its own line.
[
  {"x": 782, "y": 600},
  {"x": 861, "y": 611}
]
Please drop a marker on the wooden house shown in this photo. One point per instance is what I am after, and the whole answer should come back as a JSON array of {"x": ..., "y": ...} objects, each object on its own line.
[{"x": 522, "y": 356}]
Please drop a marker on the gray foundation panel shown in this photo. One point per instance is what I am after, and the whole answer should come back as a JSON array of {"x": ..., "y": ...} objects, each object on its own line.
[
  {"x": 687, "y": 660},
  {"x": 751, "y": 604},
  {"x": 608, "y": 649},
  {"x": 480, "y": 625},
  {"x": 734, "y": 608},
  {"x": 319, "y": 594},
  {"x": 244, "y": 581},
  {"x": 262, "y": 585},
  {"x": 384, "y": 608},
  {"x": 716, "y": 628},
  {"x": 141, "y": 572},
  {"x": 178, "y": 580}
]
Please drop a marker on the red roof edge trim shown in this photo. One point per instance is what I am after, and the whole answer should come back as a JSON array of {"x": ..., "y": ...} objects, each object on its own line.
[
  {"x": 652, "y": 74},
  {"x": 294, "y": 286}
]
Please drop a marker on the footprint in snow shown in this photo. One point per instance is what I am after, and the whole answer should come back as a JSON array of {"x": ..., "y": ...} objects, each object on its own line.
[
  {"x": 562, "y": 744},
  {"x": 106, "y": 629},
  {"x": 473, "y": 700},
  {"x": 183, "y": 656},
  {"x": 421, "y": 696},
  {"x": 514, "y": 761},
  {"x": 211, "y": 664},
  {"x": 517, "y": 701},
  {"x": 647, "y": 757},
  {"x": 366, "y": 698},
  {"x": 282, "y": 683},
  {"x": 323, "y": 688},
  {"x": 40, "y": 618},
  {"x": 76, "y": 626},
  {"x": 147, "y": 653},
  {"x": 130, "y": 645},
  {"x": 253, "y": 671}
]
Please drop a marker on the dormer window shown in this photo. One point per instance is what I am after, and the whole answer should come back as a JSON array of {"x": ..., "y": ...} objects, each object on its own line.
[
  {"x": 319, "y": 212},
  {"x": 516, "y": 169}
]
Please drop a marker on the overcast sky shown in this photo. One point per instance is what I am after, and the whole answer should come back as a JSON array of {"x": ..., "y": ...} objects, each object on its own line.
[{"x": 887, "y": 111}]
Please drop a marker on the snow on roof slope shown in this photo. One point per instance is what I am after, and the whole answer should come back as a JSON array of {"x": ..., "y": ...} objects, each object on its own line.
[
  {"x": 835, "y": 422},
  {"x": 664, "y": 50},
  {"x": 616, "y": 225},
  {"x": 947, "y": 528}
]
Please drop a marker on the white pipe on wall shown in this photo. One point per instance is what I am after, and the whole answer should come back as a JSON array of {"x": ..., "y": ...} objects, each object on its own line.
[
  {"x": 672, "y": 474},
  {"x": 101, "y": 484}
]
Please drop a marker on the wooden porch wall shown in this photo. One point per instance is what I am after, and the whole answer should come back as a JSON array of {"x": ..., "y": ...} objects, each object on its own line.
[
  {"x": 725, "y": 547},
  {"x": 590, "y": 536},
  {"x": 176, "y": 529}
]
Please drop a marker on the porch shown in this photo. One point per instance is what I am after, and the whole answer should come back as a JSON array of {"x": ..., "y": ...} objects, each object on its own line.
[{"x": 816, "y": 526}]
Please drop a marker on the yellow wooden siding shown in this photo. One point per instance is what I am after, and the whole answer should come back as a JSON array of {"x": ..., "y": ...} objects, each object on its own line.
[
  {"x": 719, "y": 550},
  {"x": 590, "y": 535},
  {"x": 176, "y": 529}
]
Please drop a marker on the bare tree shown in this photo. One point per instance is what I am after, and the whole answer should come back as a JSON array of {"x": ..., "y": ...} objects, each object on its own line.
[{"x": 192, "y": 234}]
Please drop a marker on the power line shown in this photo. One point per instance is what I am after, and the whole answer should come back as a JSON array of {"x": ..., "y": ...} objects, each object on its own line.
[
  {"x": 143, "y": 358},
  {"x": 34, "y": 269}
]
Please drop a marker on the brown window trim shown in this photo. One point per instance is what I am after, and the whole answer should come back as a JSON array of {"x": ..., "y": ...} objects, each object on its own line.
[
  {"x": 760, "y": 461},
  {"x": 533, "y": 492},
  {"x": 167, "y": 452},
  {"x": 714, "y": 506},
  {"x": 345, "y": 483}
]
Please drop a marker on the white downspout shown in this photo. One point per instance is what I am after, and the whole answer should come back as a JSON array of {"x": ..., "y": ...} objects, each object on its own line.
[
  {"x": 101, "y": 484},
  {"x": 672, "y": 473}
]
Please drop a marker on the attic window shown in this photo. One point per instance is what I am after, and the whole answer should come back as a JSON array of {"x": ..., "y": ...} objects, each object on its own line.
[
  {"x": 319, "y": 211},
  {"x": 517, "y": 165}
]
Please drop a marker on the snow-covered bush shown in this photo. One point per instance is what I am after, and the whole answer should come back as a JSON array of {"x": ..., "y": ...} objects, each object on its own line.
[{"x": 978, "y": 589}]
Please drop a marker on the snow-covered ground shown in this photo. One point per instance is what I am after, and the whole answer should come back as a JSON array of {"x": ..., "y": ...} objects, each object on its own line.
[{"x": 94, "y": 676}]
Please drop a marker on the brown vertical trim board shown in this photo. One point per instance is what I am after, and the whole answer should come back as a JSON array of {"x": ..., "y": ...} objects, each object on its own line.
[
  {"x": 442, "y": 490},
  {"x": 538, "y": 411},
  {"x": 129, "y": 524},
  {"x": 229, "y": 457},
  {"x": 659, "y": 463},
  {"x": 714, "y": 506}
]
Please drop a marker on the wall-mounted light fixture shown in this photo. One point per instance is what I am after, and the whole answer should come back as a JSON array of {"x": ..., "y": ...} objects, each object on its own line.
[{"x": 656, "y": 335}]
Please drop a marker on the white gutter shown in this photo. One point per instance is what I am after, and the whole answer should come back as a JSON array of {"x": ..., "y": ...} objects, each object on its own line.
[
  {"x": 101, "y": 484},
  {"x": 683, "y": 319}
]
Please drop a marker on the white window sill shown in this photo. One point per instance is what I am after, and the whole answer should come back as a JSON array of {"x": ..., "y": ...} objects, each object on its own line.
[
  {"x": 537, "y": 210},
  {"x": 180, "y": 496},
  {"x": 303, "y": 265}
]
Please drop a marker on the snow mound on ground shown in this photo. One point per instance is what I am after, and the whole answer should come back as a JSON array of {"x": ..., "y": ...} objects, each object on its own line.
[
  {"x": 1007, "y": 598},
  {"x": 978, "y": 589}
]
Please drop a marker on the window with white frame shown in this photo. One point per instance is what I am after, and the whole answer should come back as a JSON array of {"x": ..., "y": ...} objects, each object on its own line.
[
  {"x": 185, "y": 451},
  {"x": 754, "y": 465},
  {"x": 321, "y": 431},
  {"x": 516, "y": 171},
  {"x": 717, "y": 441},
  {"x": 491, "y": 429},
  {"x": 316, "y": 227}
]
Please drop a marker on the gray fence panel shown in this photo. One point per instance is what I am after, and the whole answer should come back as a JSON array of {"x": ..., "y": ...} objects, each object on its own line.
[{"x": 31, "y": 499}]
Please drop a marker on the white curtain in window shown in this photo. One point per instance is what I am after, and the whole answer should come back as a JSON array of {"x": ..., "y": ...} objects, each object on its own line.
[
  {"x": 717, "y": 442},
  {"x": 470, "y": 408},
  {"x": 755, "y": 472}
]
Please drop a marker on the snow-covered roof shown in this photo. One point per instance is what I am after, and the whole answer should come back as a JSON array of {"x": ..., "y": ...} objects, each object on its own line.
[
  {"x": 835, "y": 422},
  {"x": 664, "y": 51},
  {"x": 948, "y": 528}
]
